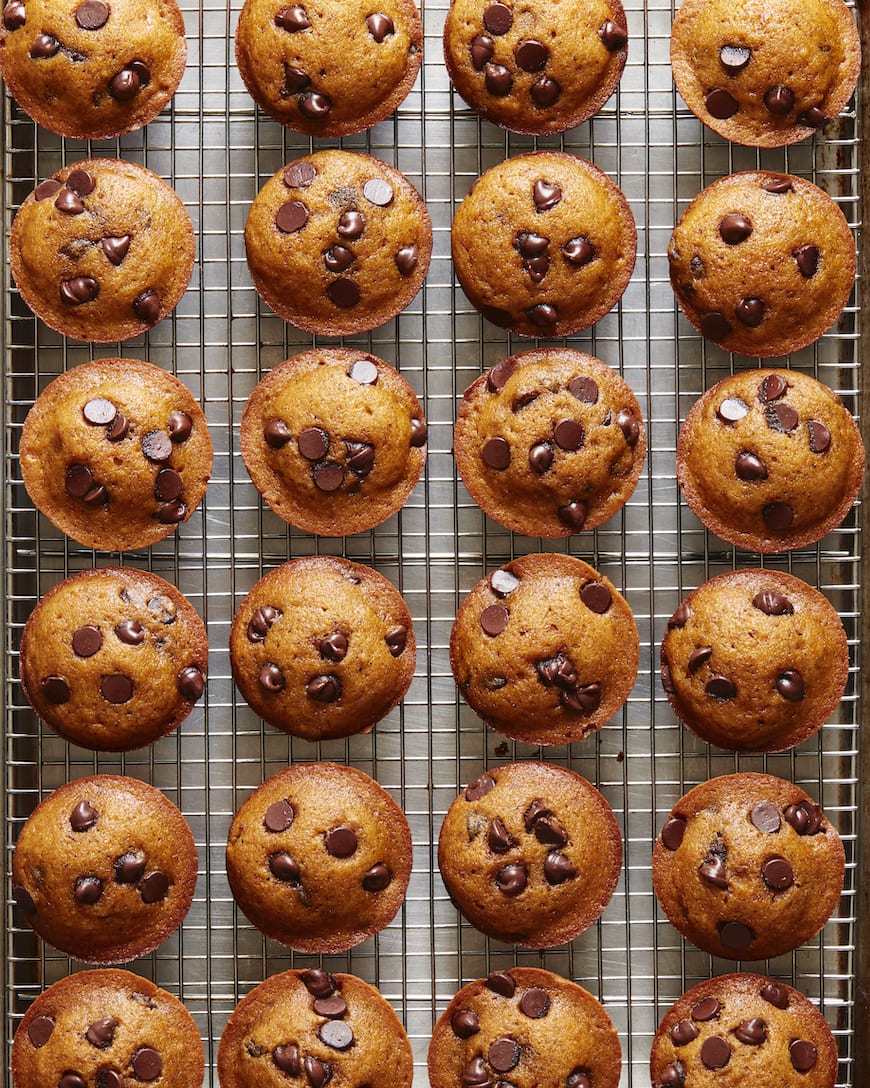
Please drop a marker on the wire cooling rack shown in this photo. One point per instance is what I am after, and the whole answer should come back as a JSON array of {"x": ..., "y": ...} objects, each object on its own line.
[{"x": 216, "y": 151}]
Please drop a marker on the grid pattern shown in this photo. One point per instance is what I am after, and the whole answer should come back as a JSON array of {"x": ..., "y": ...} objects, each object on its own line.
[{"x": 214, "y": 149}]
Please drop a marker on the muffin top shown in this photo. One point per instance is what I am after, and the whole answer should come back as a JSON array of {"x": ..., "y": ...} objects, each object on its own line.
[
  {"x": 322, "y": 647},
  {"x": 770, "y": 460},
  {"x": 107, "y": 1027},
  {"x": 103, "y": 250},
  {"x": 338, "y": 242},
  {"x": 319, "y": 857},
  {"x": 738, "y": 1029},
  {"x": 545, "y": 649},
  {"x": 104, "y": 869},
  {"x": 544, "y": 244},
  {"x": 754, "y": 660},
  {"x": 747, "y": 866},
  {"x": 540, "y": 1030},
  {"x": 323, "y": 1027},
  {"x": 761, "y": 263},
  {"x": 767, "y": 72},
  {"x": 113, "y": 658},
  {"x": 334, "y": 440},
  {"x": 535, "y": 67},
  {"x": 550, "y": 442},
  {"x": 329, "y": 67},
  {"x": 116, "y": 453},
  {"x": 530, "y": 854},
  {"x": 92, "y": 69}
]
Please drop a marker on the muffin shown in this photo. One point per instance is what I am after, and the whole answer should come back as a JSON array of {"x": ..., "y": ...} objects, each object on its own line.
[
  {"x": 770, "y": 460},
  {"x": 103, "y": 250},
  {"x": 767, "y": 72},
  {"x": 338, "y": 243},
  {"x": 323, "y": 648},
  {"x": 113, "y": 658},
  {"x": 116, "y": 453},
  {"x": 530, "y": 854},
  {"x": 539, "y": 67},
  {"x": 329, "y": 67},
  {"x": 92, "y": 70},
  {"x": 544, "y": 244},
  {"x": 761, "y": 263},
  {"x": 315, "y": 1025},
  {"x": 764, "y": 1032},
  {"x": 747, "y": 867},
  {"x": 319, "y": 857},
  {"x": 754, "y": 661},
  {"x": 106, "y": 1028},
  {"x": 545, "y": 649},
  {"x": 550, "y": 442},
  {"x": 542, "y": 1030},
  {"x": 334, "y": 440},
  {"x": 104, "y": 869}
]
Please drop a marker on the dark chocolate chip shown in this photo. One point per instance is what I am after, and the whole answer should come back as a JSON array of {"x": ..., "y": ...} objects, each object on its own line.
[
  {"x": 92, "y": 14},
  {"x": 119, "y": 428},
  {"x": 332, "y": 1007},
  {"x": 99, "y": 411},
  {"x": 279, "y": 816},
  {"x": 569, "y": 434},
  {"x": 300, "y": 174},
  {"x": 546, "y": 195},
  {"x": 180, "y": 425},
  {"x": 261, "y": 622},
  {"x": 328, "y": 476},
  {"x": 807, "y": 258},
  {"x": 83, "y": 816},
  {"x": 317, "y": 1072},
  {"x": 50, "y": 186},
  {"x": 578, "y": 252},
  {"x": 498, "y": 837},
  {"x": 715, "y": 326},
  {"x": 735, "y": 228},
  {"x": 129, "y": 868},
  {"x": 667, "y": 678},
  {"x": 171, "y": 513},
  {"x": 79, "y": 291},
  {"x": 503, "y": 582},
  {"x": 482, "y": 48},
  {"x": 44, "y": 46},
  {"x": 78, "y": 481},
  {"x": 14, "y": 17},
  {"x": 40, "y": 1029},
  {"x": 125, "y": 85},
  {"x": 498, "y": 18},
  {"x": 584, "y": 389},
  {"x": 271, "y": 678},
  {"x": 295, "y": 80},
  {"x": 536, "y": 811},
  {"x": 287, "y": 1059},
  {"x": 380, "y": 26},
  {"x": 512, "y": 879},
  {"x": 683, "y": 1032},
  {"x": 397, "y": 640},
  {"x": 116, "y": 688},
  {"x": 537, "y": 268},
  {"x": 494, "y": 619},
  {"x": 324, "y": 689},
  {"x": 480, "y": 787},
  {"x": 154, "y": 887},
  {"x": 377, "y": 878},
  {"x": 147, "y": 306},
  {"x": 544, "y": 315},
  {"x": 341, "y": 842},
  {"x": 338, "y": 258},
  {"x": 313, "y": 443},
  {"x": 629, "y": 425},
  {"x": 545, "y": 91},
  {"x": 713, "y": 871},
  {"x": 315, "y": 106},
  {"x": 351, "y": 225},
  {"x": 778, "y": 516},
  {"x": 790, "y": 685},
  {"x": 157, "y": 446},
  {"x": 503, "y": 1054},
  {"x": 680, "y": 617},
  {"x": 550, "y": 832},
  {"x": 805, "y": 817},
  {"x": 777, "y": 874},
  {"x": 291, "y": 217},
  {"x": 541, "y": 457},
  {"x": 293, "y": 19},
  {"x": 765, "y": 817},
  {"x": 343, "y": 293},
  {"x": 168, "y": 485},
  {"x": 732, "y": 409},
  {"x": 707, "y": 1008},
  {"x": 465, "y": 1023},
  {"x": 379, "y": 192},
  {"x": 558, "y": 868},
  {"x": 750, "y": 467},
  {"x": 283, "y": 867},
  {"x": 578, "y": 1078},
  {"x": 779, "y": 101},
  {"x": 419, "y": 433},
  {"x": 406, "y": 259},
  {"x": 337, "y": 1034},
  {"x": 474, "y": 1075},
  {"x": 334, "y": 647},
  {"x": 72, "y": 1080},
  {"x": 86, "y": 641},
  {"x": 752, "y": 1032},
  {"x": 101, "y": 1033},
  {"x": 535, "y": 1003},
  {"x": 736, "y": 935},
  {"x": 721, "y": 104},
  {"x": 673, "y": 832},
  {"x": 191, "y": 683},
  {"x": 734, "y": 58},
  {"x": 498, "y": 80},
  {"x": 496, "y": 454},
  {"x": 277, "y": 434},
  {"x": 813, "y": 118},
  {"x": 88, "y": 889},
  {"x": 720, "y": 687},
  {"x": 698, "y": 657},
  {"x": 318, "y": 982},
  {"x": 819, "y": 436},
  {"x": 573, "y": 514},
  {"x": 359, "y": 457},
  {"x": 23, "y": 899},
  {"x": 597, "y": 597},
  {"x": 613, "y": 35},
  {"x": 531, "y": 55},
  {"x": 497, "y": 377},
  {"x": 147, "y": 1063},
  {"x": 750, "y": 312},
  {"x": 803, "y": 1054},
  {"x": 775, "y": 994},
  {"x": 715, "y": 1052},
  {"x": 781, "y": 417},
  {"x": 778, "y": 186}
]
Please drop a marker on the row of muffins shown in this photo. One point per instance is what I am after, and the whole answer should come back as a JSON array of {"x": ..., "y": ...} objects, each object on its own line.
[{"x": 330, "y": 68}]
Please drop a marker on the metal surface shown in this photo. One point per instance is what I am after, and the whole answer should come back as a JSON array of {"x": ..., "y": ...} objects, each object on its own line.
[{"x": 215, "y": 150}]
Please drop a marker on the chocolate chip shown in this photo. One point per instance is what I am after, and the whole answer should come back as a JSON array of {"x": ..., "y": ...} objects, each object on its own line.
[
  {"x": 512, "y": 879},
  {"x": 351, "y": 225},
  {"x": 775, "y": 994},
  {"x": 494, "y": 619},
  {"x": 271, "y": 678},
  {"x": 147, "y": 306},
  {"x": 78, "y": 481},
  {"x": 549, "y": 831},
  {"x": 261, "y": 622},
  {"x": 578, "y": 252},
  {"x": 480, "y": 787},
  {"x": 168, "y": 485},
  {"x": 673, "y": 832},
  {"x": 99, "y": 411},
  {"x": 683, "y": 1032},
  {"x": 315, "y": 106},
  {"x": 805, "y": 817},
  {"x": 284, "y": 867},
  {"x": 569, "y": 434},
  {"x": 291, "y": 217},
  {"x": 497, "y": 377},
  {"x": 154, "y": 887},
  {"x": 343, "y": 293},
  {"x": 50, "y": 186},
  {"x": 765, "y": 817},
  {"x": 680, "y": 617},
  {"x": 536, "y": 811},
  {"x": 531, "y": 55},
  {"x": 819, "y": 435},
  {"x": 721, "y": 104},
  {"x": 419, "y": 433},
  {"x": 597, "y": 597},
  {"x": 667, "y": 679},
  {"x": 803, "y": 1055},
  {"x": 313, "y": 442},
  {"x": 92, "y": 14},
  {"x": 612, "y": 35},
  {"x": 324, "y": 689},
  {"x": 498, "y": 18},
  {"x": 332, "y": 1007},
  {"x": 88, "y": 889},
  {"x": 781, "y": 417},
  {"x": 578, "y": 1078},
  {"x": 778, "y": 186},
  {"x": 72, "y": 1080},
  {"x": 779, "y": 101},
  {"x": 40, "y": 1029},
  {"x": 502, "y": 582},
  {"x": 503, "y": 1054},
  {"x": 778, "y": 516},
  {"x": 83, "y": 816},
  {"x": 279, "y": 816},
  {"x": 546, "y": 195},
  {"x": 715, "y": 1052},
  {"x": 732, "y": 409},
  {"x": 482, "y": 48},
  {"x": 337, "y": 1034},
  {"x": 179, "y": 426},
  {"x": 541, "y": 457},
  {"x": 295, "y": 80},
  {"x": 147, "y": 1063},
  {"x": 734, "y": 58},
  {"x": 807, "y": 258},
  {"x": 750, "y": 467},
  {"x": 119, "y": 428},
  {"x": 171, "y": 513},
  {"x": 498, "y": 80},
  {"x": 777, "y": 874},
  {"x": 707, "y": 1008},
  {"x": 14, "y": 17},
  {"x": 191, "y": 683},
  {"x": 734, "y": 229},
  {"x": 359, "y": 457},
  {"x": 43, "y": 47},
  {"x": 790, "y": 685},
  {"x": 157, "y": 446},
  {"x": 715, "y": 326},
  {"x": 720, "y": 687},
  {"x": 736, "y": 935},
  {"x": 129, "y": 868},
  {"x": 300, "y": 174},
  {"x": 86, "y": 641},
  {"x": 341, "y": 842},
  {"x": 474, "y": 1075},
  {"x": 377, "y": 878},
  {"x": 319, "y": 983},
  {"x": 116, "y": 688},
  {"x": 23, "y": 900},
  {"x": 406, "y": 259},
  {"x": 125, "y": 85},
  {"x": 573, "y": 514},
  {"x": 333, "y": 647},
  {"x": 287, "y": 1059},
  {"x": 813, "y": 118},
  {"x": 558, "y": 868},
  {"x": 498, "y": 837},
  {"x": 544, "y": 315},
  {"x": 698, "y": 657},
  {"x": 465, "y": 1023},
  {"x": 750, "y": 312},
  {"x": 545, "y": 91},
  {"x": 380, "y": 26},
  {"x": 535, "y": 1003},
  {"x": 584, "y": 389},
  {"x": 502, "y": 318},
  {"x": 101, "y": 1033},
  {"x": 293, "y": 19},
  {"x": 629, "y": 425},
  {"x": 496, "y": 454},
  {"x": 713, "y": 871},
  {"x": 328, "y": 476},
  {"x": 397, "y": 640},
  {"x": 79, "y": 291},
  {"x": 537, "y": 268},
  {"x": 379, "y": 192}
]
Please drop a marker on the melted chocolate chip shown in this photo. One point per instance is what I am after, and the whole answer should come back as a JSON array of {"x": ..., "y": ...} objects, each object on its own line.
[
  {"x": 503, "y": 1054},
  {"x": 261, "y": 622},
  {"x": 569, "y": 434},
  {"x": 283, "y": 867},
  {"x": 279, "y": 816},
  {"x": 807, "y": 259},
  {"x": 805, "y": 818},
  {"x": 541, "y": 457},
  {"x": 545, "y": 91},
  {"x": 343, "y": 293},
  {"x": 778, "y": 186},
  {"x": 44, "y": 46},
  {"x": 597, "y": 597},
  {"x": 72, "y": 1080},
  {"x": 819, "y": 436},
  {"x": 498, "y": 837},
  {"x": 129, "y": 868},
  {"x": 813, "y": 118},
  {"x": 720, "y": 687},
  {"x": 715, "y": 1052},
  {"x": 328, "y": 476},
  {"x": 341, "y": 842},
  {"x": 419, "y": 433},
  {"x": 512, "y": 879},
  {"x": 377, "y": 878},
  {"x": 324, "y": 689},
  {"x": 287, "y": 1059},
  {"x": 531, "y": 55},
  {"x": 707, "y": 1008},
  {"x": 380, "y": 26},
  {"x": 78, "y": 481},
  {"x": 116, "y": 688},
  {"x": 83, "y": 817},
  {"x": 300, "y": 174},
  {"x": 777, "y": 874},
  {"x": 480, "y": 787},
  {"x": 79, "y": 291},
  {"x": 778, "y": 516},
  {"x": 790, "y": 685},
  {"x": 734, "y": 58},
  {"x": 291, "y": 217},
  {"x": 775, "y": 994},
  {"x": 735, "y": 228},
  {"x": 40, "y": 1029},
  {"x": 88, "y": 890},
  {"x": 673, "y": 832},
  {"x": 474, "y": 1075},
  {"x": 406, "y": 259},
  {"x": 98, "y": 411},
  {"x": 191, "y": 683},
  {"x": 680, "y": 617},
  {"x": 494, "y": 619},
  {"x": 772, "y": 388},
  {"x": 14, "y": 17},
  {"x": 535, "y": 1003},
  {"x": 750, "y": 467},
  {"x": 317, "y": 1072},
  {"x": 721, "y": 104},
  {"x": 715, "y": 326},
  {"x": 271, "y": 678},
  {"x": 482, "y": 48},
  {"x": 779, "y": 101},
  {"x": 683, "y": 1033},
  {"x": 750, "y": 312},
  {"x": 736, "y": 935},
  {"x": 154, "y": 887},
  {"x": 584, "y": 389},
  {"x": 498, "y": 19},
  {"x": 147, "y": 306},
  {"x": 125, "y": 85},
  {"x": 698, "y": 657},
  {"x": 86, "y": 641},
  {"x": 498, "y": 80},
  {"x": 558, "y": 868},
  {"x": 578, "y": 252},
  {"x": 803, "y": 1054},
  {"x": 712, "y": 869},
  {"x": 318, "y": 982},
  {"x": 546, "y": 195},
  {"x": 101, "y": 1033},
  {"x": 293, "y": 19},
  {"x": 497, "y": 377},
  {"x": 351, "y": 225},
  {"x": 465, "y": 1023},
  {"x": 397, "y": 640},
  {"x": 612, "y": 35}
]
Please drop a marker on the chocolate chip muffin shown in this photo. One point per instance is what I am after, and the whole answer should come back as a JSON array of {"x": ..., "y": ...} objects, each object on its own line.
[
  {"x": 102, "y": 251},
  {"x": 113, "y": 658},
  {"x": 322, "y": 648},
  {"x": 545, "y": 649},
  {"x": 319, "y": 857},
  {"x": 550, "y": 442},
  {"x": 338, "y": 243},
  {"x": 334, "y": 440},
  {"x": 761, "y": 263},
  {"x": 116, "y": 453},
  {"x": 770, "y": 460},
  {"x": 93, "y": 69},
  {"x": 539, "y": 1029},
  {"x": 329, "y": 67},
  {"x": 754, "y": 661},
  {"x": 104, "y": 869},
  {"x": 765, "y": 72},
  {"x": 316, "y": 1026},
  {"x": 763, "y": 1031},
  {"x": 747, "y": 867},
  {"x": 544, "y": 244},
  {"x": 530, "y": 853},
  {"x": 107, "y": 1028},
  {"x": 536, "y": 67}
]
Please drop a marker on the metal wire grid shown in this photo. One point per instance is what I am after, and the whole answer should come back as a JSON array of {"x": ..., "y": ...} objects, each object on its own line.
[{"x": 216, "y": 152}]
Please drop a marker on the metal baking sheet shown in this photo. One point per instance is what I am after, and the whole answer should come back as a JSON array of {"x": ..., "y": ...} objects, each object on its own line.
[{"x": 216, "y": 151}]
